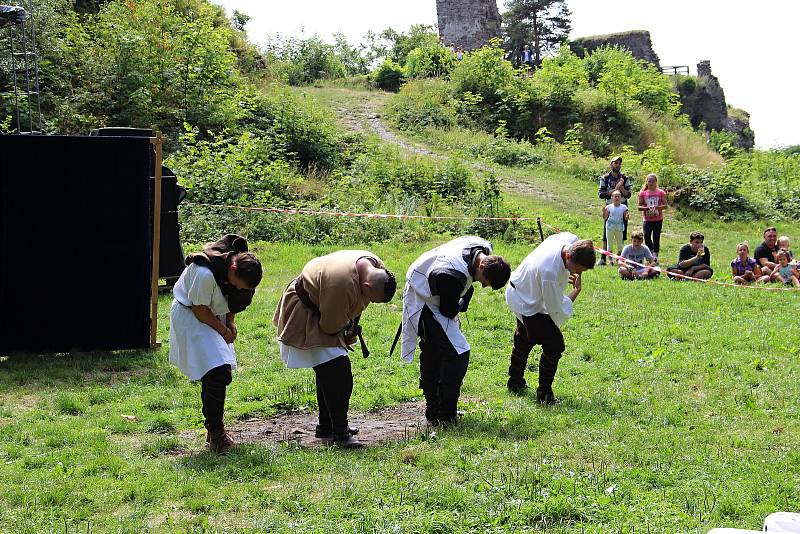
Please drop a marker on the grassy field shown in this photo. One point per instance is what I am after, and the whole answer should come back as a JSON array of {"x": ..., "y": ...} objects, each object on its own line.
[
  {"x": 679, "y": 413},
  {"x": 679, "y": 410}
]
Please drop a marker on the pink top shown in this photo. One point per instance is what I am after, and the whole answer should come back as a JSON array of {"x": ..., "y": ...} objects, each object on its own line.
[{"x": 652, "y": 199}]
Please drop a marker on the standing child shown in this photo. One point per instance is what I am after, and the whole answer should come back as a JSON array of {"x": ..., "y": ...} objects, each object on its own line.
[
  {"x": 216, "y": 284},
  {"x": 641, "y": 254},
  {"x": 784, "y": 272},
  {"x": 746, "y": 269},
  {"x": 616, "y": 217},
  {"x": 652, "y": 203}
]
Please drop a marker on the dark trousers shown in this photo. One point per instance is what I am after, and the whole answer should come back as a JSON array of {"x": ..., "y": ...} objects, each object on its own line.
[
  {"x": 441, "y": 370},
  {"x": 533, "y": 330},
  {"x": 212, "y": 392},
  {"x": 652, "y": 235},
  {"x": 334, "y": 388}
]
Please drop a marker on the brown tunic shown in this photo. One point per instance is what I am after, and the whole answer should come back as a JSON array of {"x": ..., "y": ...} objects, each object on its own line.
[{"x": 333, "y": 287}]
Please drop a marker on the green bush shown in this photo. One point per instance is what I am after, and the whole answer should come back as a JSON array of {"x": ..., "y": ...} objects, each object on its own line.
[
  {"x": 617, "y": 73},
  {"x": 389, "y": 76},
  {"x": 421, "y": 104},
  {"x": 303, "y": 61},
  {"x": 717, "y": 192},
  {"x": 687, "y": 85},
  {"x": 484, "y": 73},
  {"x": 432, "y": 60},
  {"x": 297, "y": 128}
]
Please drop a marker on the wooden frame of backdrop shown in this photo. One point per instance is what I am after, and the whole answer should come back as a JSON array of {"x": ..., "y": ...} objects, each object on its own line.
[{"x": 158, "y": 142}]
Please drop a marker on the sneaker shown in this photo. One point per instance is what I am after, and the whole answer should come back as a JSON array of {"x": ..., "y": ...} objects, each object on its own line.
[{"x": 219, "y": 441}]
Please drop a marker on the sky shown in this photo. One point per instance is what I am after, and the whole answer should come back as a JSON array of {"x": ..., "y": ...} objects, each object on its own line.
[{"x": 751, "y": 45}]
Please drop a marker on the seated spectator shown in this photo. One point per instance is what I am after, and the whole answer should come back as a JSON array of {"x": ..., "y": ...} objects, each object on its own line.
[
  {"x": 784, "y": 272},
  {"x": 639, "y": 253},
  {"x": 765, "y": 252},
  {"x": 783, "y": 244},
  {"x": 694, "y": 259},
  {"x": 746, "y": 269}
]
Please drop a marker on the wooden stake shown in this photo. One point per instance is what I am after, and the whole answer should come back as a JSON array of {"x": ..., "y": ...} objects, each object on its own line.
[{"x": 158, "y": 142}]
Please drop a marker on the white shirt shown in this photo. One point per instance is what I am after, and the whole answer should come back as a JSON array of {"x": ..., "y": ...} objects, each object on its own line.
[
  {"x": 197, "y": 287},
  {"x": 537, "y": 285}
]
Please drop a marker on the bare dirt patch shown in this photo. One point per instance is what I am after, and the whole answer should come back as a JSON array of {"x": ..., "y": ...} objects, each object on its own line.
[{"x": 394, "y": 423}]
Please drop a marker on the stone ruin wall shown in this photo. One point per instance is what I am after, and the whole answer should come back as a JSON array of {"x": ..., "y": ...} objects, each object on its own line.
[
  {"x": 468, "y": 23},
  {"x": 638, "y": 42}
]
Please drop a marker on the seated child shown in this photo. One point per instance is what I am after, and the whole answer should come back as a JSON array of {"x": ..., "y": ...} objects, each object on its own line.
[
  {"x": 783, "y": 244},
  {"x": 785, "y": 272},
  {"x": 639, "y": 253},
  {"x": 615, "y": 215},
  {"x": 746, "y": 270},
  {"x": 216, "y": 284}
]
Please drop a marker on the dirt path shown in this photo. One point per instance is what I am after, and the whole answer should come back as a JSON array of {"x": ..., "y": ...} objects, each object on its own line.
[{"x": 363, "y": 114}]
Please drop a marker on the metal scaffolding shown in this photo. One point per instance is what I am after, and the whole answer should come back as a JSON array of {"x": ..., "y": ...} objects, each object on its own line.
[{"x": 23, "y": 64}]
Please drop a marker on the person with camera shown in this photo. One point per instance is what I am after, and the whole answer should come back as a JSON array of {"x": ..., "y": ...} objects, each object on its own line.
[
  {"x": 439, "y": 287},
  {"x": 317, "y": 322}
]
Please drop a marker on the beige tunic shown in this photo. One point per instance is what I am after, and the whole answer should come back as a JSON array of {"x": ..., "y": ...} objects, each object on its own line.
[{"x": 332, "y": 285}]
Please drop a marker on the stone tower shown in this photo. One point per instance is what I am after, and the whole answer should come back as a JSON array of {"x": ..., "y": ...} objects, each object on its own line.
[{"x": 468, "y": 23}]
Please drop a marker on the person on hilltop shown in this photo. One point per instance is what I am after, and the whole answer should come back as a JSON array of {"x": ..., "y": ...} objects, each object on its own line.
[
  {"x": 217, "y": 283},
  {"x": 652, "y": 203},
  {"x": 639, "y": 253},
  {"x": 535, "y": 294},
  {"x": 317, "y": 321},
  {"x": 694, "y": 259},
  {"x": 765, "y": 253},
  {"x": 527, "y": 58},
  {"x": 439, "y": 287},
  {"x": 614, "y": 180},
  {"x": 745, "y": 269}
]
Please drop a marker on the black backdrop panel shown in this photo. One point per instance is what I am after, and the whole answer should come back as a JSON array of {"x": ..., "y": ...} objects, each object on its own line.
[{"x": 75, "y": 243}]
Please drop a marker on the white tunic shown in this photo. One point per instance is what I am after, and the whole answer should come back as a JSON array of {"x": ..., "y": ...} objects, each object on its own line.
[
  {"x": 194, "y": 347},
  {"x": 537, "y": 285},
  {"x": 417, "y": 293},
  {"x": 295, "y": 358}
]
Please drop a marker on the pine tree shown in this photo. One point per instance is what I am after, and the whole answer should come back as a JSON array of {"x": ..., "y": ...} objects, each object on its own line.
[{"x": 541, "y": 24}]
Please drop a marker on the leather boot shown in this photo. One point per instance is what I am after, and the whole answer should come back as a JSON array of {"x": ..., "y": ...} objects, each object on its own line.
[
  {"x": 347, "y": 441},
  {"x": 327, "y": 433},
  {"x": 219, "y": 441}
]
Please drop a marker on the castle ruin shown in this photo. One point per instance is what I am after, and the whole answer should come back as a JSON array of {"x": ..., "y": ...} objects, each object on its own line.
[{"x": 468, "y": 23}]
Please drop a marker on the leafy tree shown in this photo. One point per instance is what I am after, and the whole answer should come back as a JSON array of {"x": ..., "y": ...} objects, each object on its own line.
[
  {"x": 419, "y": 35},
  {"x": 358, "y": 59},
  {"x": 542, "y": 24},
  {"x": 240, "y": 20}
]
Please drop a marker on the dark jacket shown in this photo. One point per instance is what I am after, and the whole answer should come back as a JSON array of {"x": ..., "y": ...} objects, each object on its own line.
[
  {"x": 450, "y": 283},
  {"x": 215, "y": 256}
]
